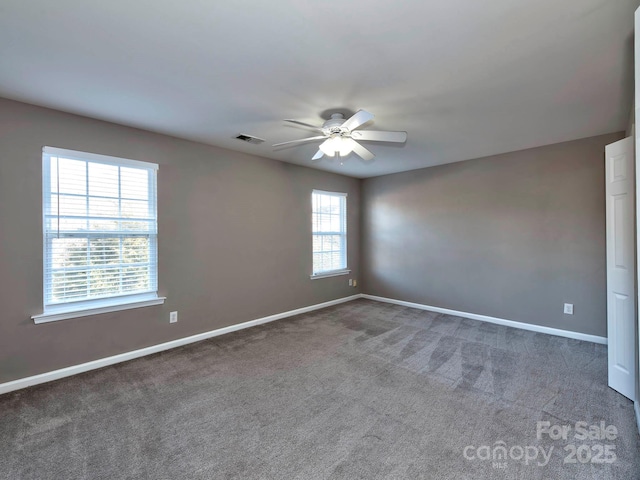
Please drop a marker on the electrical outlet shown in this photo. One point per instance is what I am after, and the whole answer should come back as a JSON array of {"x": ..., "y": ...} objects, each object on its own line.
[
  {"x": 173, "y": 317},
  {"x": 351, "y": 282},
  {"x": 568, "y": 308}
]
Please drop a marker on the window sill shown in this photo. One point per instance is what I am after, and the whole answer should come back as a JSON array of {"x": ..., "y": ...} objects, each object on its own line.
[
  {"x": 96, "y": 307},
  {"x": 333, "y": 273}
]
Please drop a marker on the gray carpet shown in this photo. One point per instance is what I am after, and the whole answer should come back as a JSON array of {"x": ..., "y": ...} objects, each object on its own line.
[{"x": 361, "y": 390}]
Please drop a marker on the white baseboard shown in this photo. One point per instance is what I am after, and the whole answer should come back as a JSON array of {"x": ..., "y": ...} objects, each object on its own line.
[
  {"x": 123, "y": 357},
  {"x": 636, "y": 407},
  {"x": 498, "y": 321}
]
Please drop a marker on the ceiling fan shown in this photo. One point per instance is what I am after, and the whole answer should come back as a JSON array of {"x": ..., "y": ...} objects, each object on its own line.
[{"x": 340, "y": 136}]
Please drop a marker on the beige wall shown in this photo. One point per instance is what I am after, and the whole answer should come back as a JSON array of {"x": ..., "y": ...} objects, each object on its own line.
[
  {"x": 234, "y": 240},
  {"x": 512, "y": 236}
]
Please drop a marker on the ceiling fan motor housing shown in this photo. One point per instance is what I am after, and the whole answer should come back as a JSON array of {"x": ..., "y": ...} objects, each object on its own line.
[{"x": 333, "y": 126}]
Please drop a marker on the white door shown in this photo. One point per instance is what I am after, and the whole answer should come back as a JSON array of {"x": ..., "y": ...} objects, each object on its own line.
[{"x": 621, "y": 273}]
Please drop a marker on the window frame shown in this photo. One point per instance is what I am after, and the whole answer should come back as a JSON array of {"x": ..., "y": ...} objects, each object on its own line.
[
  {"x": 107, "y": 303},
  {"x": 344, "y": 233}
]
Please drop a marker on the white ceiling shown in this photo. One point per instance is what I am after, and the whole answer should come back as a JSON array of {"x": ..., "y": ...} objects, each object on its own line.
[{"x": 464, "y": 78}]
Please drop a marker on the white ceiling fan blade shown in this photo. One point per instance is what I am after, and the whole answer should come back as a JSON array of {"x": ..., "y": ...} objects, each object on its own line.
[
  {"x": 319, "y": 154},
  {"x": 359, "y": 149},
  {"x": 359, "y": 118},
  {"x": 302, "y": 140},
  {"x": 379, "y": 136},
  {"x": 308, "y": 125}
]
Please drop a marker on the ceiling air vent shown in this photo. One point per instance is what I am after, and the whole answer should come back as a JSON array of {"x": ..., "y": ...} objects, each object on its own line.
[{"x": 250, "y": 138}]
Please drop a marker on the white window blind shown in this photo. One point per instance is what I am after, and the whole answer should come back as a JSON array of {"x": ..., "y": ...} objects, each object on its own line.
[
  {"x": 329, "y": 227},
  {"x": 100, "y": 228}
]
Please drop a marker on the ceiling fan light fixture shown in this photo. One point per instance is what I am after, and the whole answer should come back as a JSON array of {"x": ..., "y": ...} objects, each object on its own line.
[
  {"x": 336, "y": 144},
  {"x": 345, "y": 148},
  {"x": 325, "y": 147}
]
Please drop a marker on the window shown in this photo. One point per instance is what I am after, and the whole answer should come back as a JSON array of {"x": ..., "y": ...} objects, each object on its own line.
[
  {"x": 329, "y": 227},
  {"x": 100, "y": 234}
]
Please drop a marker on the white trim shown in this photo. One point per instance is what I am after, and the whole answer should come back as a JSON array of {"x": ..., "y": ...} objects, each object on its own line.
[
  {"x": 96, "y": 157},
  {"x": 325, "y": 192},
  {"x": 636, "y": 408},
  {"x": 332, "y": 273},
  {"x": 123, "y": 357},
  {"x": 113, "y": 304},
  {"x": 499, "y": 321}
]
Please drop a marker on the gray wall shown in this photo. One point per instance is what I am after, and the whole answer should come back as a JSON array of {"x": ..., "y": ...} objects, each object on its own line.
[
  {"x": 234, "y": 240},
  {"x": 512, "y": 236}
]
